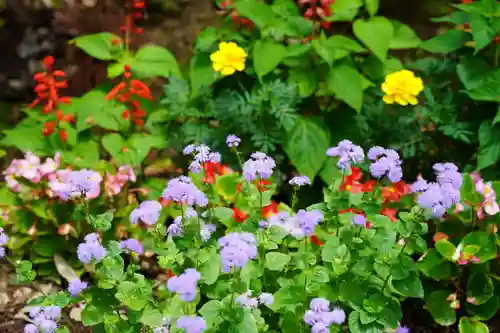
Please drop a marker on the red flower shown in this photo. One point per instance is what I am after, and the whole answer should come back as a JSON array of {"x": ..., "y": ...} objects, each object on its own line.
[
  {"x": 239, "y": 215},
  {"x": 127, "y": 92},
  {"x": 352, "y": 182},
  {"x": 352, "y": 210},
  {"x": 394, "y": 192},
  {"x": 270, "y": 209},
  {"x": 170, "y": 273},
  {"x": 316, "y": 240},
  {"x": 390, "y": 213},
  {"x": 318, "y": 10},
  {"x": 63, "y": 135},
  {"x": 261, "y": 185}
]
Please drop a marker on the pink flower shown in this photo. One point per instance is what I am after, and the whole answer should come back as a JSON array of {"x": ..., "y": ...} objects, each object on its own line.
[
  {"x": 50, "y": 165},
  {"x": 126, "y": 173},
  {"x": 112, "y": 185},
  {"x": 489, "y": 204}
]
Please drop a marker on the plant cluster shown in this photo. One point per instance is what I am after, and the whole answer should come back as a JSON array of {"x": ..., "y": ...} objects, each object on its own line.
[{"x": 216, "y": 250}]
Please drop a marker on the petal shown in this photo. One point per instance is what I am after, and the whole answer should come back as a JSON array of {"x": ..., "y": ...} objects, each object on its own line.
[{"x": 388, "y": 99}]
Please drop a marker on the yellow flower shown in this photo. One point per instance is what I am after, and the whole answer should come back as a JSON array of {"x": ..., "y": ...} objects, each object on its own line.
[
  {"x": 228, "y": 58},
  {"x": 402, "y": 87}
]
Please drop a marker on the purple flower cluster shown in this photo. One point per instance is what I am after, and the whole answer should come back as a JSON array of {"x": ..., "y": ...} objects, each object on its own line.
[
  {"x": 402, "y": 329},
  {"x": 185, "y": 284},
  {"x": 237, "y": 248},
  {"x": 90, "y": 249},
  {"x": 300, "y": 181},
  {"x": 191, "y": 324},
  {"x": 320, "y": 317},
  {"x": 386, "y": 162},
  {"x": 132, "y": 245},
  {"x": 44, "y": 319},
  {"x": 206, "y": 231},
  {"x": 258, "y": 166},
  {"x": 77, "y": 286},
  {"x": 247, "y": 301},
  {"x": 442, "y": 195},
  {"x": 347, "y": 152},
  {"x": 359, "y": 219},
  {"x": 82, "y": 182},
  {"x": 300, "y": 225},
  {"x": 233, "y": 141},
  {"x": 4, "y": 239},
  {"x": 182, "y": 191},
  {"x": 148, "y": 212},
  {"x": 202, "y": 155}
]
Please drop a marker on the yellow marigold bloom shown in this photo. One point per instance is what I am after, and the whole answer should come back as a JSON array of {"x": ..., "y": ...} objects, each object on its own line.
[
  {"x": 228, "y": 58},
  {"x": 402, "y": 87}
]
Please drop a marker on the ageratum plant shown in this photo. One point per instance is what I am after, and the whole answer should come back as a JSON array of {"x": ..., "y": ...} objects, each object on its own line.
[{"x": 231, "y": 266}]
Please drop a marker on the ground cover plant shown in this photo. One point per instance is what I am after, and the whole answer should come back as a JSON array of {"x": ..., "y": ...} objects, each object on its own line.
[{"x": 190, "y": 212}]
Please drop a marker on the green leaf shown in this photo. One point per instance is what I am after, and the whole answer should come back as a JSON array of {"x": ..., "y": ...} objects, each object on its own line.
[
  {"x": 375, "y": 303},
  {"x": 248, "y": 324},
  {"x": 468, "y": 325},
  {"x": 98, "y": 45},
  {"x": 410, "y": 287},
  {"x": 267, "y": 55},
  {"x": 345, "y": 10},
  {"x": 154, "y": 60},
  {"x": 482, "y": 33},
  {"x": 134, "y": 295},
  {"x": 479, "y": 288},
  {"x": 376, "y": 33},
  {"x": 485, "y": 242},
  {"x": 259, "y": 13},
  {"x": 305, "y": 79},
  {"x": 92, "y": 315},
  {"x": 223, "y": 214},
  {"x": 306, "y": 146},
  {"x": 404, "y": 37},
  {"x": 446, "y": 249},
  {"x": 200, "y": 73},
  {"x": 152, "y": 316},
  {"x": 101, "y": 221},
  {"x": 206, "y": 39},
  {"x": 345, "y": 82},
  {"x": 434, "y": 266},
  {"x": 485, "y": 311},
  {"x": 113, "y": 143},
  {"x": 327, "y": 52},
  {"x": 446, "y": 43},
  {"x": 372, "y": 6},
  {"x": 489, "y": 145},
  {"x": 440, "y": 309},
  {"x": 276, "y": 261},
  {"x": 211, "y": 313},
  {"x": 210, "y": 269},
  {"x": 471, "y": 71}
]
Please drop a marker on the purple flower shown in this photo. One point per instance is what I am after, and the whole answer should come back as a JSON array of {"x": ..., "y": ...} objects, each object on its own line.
[
  {"x": 77, "y": 286},
  {"x": 420, "y": 185},
  {"x": 300, "y": 181},
  {"x": 258, "y": 166},
  {"x": 133, "y": 245},
  {"x": 90, "y": 249},
  {"x": 447, "y": 173},
  {"x": 175, "y": 229},
  {"x": 4, "y": 239},
  {"x": 185, "y": 284},
  {"x": 163, "y": 329},
  {"x": 191, "y": 324},
  {"x": 202, "y": 155},
  {"x": 44, "y": 320},
  {"x": 206, "y": 231},
  {"x": 266, "y": 299},
  {"x": 320, "y": 317},
  {"x": 438, "y": 198},
  {"x": 246, "y": 301},
  {"x": 386, "y": 162},
  {"x": 183, "y": 191},
  {"x": 81, "y": 182},
  {"x": 147, "y": 212},
  {"x": 347, "y": 152},
  {"x": 402, "y": 329},
  {"x": 358, "y": 219},
  {"x": 233, "y": 141},
  {"x": 319, "y": 305},
  {"x": 309, "y": 220},
  {"x": 237, "y": 248}
]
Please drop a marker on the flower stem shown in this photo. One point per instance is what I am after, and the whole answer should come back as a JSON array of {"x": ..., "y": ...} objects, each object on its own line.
[{"x": 294, "y": 198}]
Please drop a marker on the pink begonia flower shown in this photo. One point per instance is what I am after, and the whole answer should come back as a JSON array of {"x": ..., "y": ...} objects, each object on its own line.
[
  {"x": 12, "y": 183},
  {"x": 126, "y": 173},
  {"x": 29, "y": 167},
  {"x": 489, "y": 204},
  {"x": 50, "y": 165},
  {"x": 112, "y": 185}
]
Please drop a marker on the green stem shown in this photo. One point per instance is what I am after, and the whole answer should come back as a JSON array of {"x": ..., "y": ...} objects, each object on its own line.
[
  {"x": 294, "y": 198},
  {"x": 385, "y": 283},
  {"x": 306, "y": 249}
]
